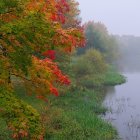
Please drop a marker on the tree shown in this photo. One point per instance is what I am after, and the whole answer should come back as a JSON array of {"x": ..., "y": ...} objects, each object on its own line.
[
  {"x": 30, "y": 32},
  {"x": 97, "y": 37},
  {"x": 72, "y": 16},
  {"x": 72, "y": 20}
]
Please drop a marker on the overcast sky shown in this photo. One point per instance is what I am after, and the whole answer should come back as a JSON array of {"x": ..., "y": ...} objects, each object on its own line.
[{"x": 120, "y": 16}]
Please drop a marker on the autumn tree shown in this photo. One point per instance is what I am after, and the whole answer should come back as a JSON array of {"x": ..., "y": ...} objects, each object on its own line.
[
  {"x": 72, "y": 20},
  {"x": 30, "y": 32},
  {"x": 72, "y": 16}
]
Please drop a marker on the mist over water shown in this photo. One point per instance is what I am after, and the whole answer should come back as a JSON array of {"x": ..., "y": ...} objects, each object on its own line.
[
  {"x": 124, "y": 107},
  {"x": 123, "y": 100},
  {"x": 129, "y": 54}
]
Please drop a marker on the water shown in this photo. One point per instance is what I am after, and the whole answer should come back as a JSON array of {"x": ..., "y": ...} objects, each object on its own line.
[{"x": 123, "y": 102}]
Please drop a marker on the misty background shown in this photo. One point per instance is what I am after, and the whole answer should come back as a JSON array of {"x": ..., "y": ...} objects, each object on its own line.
[
  {"x": 121, "y": 46},
  {"x": 122, "y": 19},
  {"x": 120, "y": 16}
]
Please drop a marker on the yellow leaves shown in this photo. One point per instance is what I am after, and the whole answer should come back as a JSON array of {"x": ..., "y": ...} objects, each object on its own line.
[
  {"x": 33, "y": 5},
  {"x": 22, "y": 119},
  {"x": 43, "y": 6},
  {"x": 36, "y": 29}
]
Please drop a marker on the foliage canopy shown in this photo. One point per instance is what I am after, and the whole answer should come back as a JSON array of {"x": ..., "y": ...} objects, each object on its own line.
[{"x": 30, "y": 32}]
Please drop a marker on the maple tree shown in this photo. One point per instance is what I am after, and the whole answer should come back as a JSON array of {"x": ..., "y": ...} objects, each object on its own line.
[
  {"x": 72, "y": 21},
  {"x": 30, "y": 33},
  {"x": 72, "y": 18}
]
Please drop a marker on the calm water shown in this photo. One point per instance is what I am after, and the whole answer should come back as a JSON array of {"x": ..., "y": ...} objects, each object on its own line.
[{"x": 123, "y": 102}]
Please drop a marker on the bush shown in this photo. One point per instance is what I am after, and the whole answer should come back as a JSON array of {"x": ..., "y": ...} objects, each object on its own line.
[{"x": 89, "y": 69}]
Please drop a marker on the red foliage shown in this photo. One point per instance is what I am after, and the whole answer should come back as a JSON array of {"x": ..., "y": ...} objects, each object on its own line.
[
  {"x": 62, "y": 7},
  {"x": 54, "y": 17},
  {"x": 42, "y": 74},
  {"x": 54, "y": 90},
  {"x": 50, "y": 54},
  {"x": 45, "y": 75},
  {"x": 59, "y": 76}
]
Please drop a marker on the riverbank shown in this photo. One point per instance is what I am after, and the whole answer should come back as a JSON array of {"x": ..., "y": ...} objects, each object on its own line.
[
  {"x": 112, "y": 78},
  {"x": 79, "y": 118},
  {"x": 77, "y": 114},
  {"x": 73, "y": 115}
]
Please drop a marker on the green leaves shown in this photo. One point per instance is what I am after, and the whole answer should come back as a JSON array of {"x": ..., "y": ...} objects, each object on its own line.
[
  {"x": 21, "y": 59},
  {"x": 89, "y": 68},
  {"x": 27, "y": 29},
  {"x": 98, "y": 38},
  {"x": 6, "y": 5},
  {"x": 22, "y": 119}
]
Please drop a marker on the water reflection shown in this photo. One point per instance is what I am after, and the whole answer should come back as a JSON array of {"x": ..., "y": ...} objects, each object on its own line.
[{"x": 123, "y": 102}]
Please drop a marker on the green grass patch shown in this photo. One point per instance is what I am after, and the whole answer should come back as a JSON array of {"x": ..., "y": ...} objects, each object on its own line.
[
  {"x": 4, "y": 132},
  {"x": 112, "y": 78},
  {"x": 80, "y": 118}
]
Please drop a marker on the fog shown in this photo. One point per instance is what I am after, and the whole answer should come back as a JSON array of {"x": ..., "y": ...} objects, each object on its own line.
[
  {"x": 129, "y": 49},
  {"x": 120, "y": 16}
]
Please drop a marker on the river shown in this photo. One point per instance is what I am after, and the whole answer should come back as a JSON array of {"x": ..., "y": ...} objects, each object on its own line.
[{"x": 123, "y": 102}]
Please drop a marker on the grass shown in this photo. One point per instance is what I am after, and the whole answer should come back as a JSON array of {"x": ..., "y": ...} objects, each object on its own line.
[
  {"x": 113, "y": 78},
  {"x": 84, "y": 108},
  {"x": 73, "y": 116},
  {"x": 4, "y": 133}
]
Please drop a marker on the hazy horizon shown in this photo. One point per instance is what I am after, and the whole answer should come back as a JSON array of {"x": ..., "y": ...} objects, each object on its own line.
[{"x": 120, "y": 16}]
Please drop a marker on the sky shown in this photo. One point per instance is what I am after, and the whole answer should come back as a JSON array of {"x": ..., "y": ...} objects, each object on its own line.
[{"x": 121, "y": 17}]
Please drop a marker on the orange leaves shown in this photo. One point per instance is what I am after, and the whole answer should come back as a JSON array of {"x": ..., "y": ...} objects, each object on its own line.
[
  {"x": 54, "y": 90},
  {"x": 72, "y": 16},
  {"x": 57, "y": 75},
  {"x": 30, "y": 28},
  {"x": 38, "y": 27},
  {"x": 44, "y": 75},
  {"x": 34, "y": 5},
  {"x": 22, "y": 133},
  {"x": 52, "y": 9},
  {"x": 20, "y": 130},
  {"x": 8, "y": 17},
  {"x": 69, "y": 39},
  {"x": 23, "y": 120},
  {"x": 54, "y": 17},
  {"x": 62, "y": 8}
]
